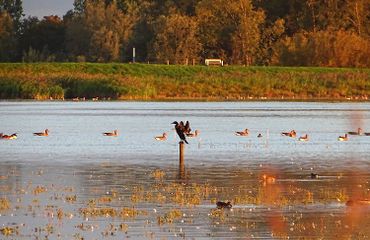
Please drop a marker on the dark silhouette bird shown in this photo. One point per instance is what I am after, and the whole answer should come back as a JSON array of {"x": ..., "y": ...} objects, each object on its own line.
[
  {"x": 259, "y": 135},
  {"x": 180, "y": 130},
  {"x": 314, "y": 175},
  {"x": 45, "y": 133},
  {"x": 359, "y": 132},
  {"x": 221, "y": 205}
]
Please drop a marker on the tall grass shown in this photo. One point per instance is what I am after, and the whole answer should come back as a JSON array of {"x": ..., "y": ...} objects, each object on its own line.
[{"x": 145, "y": 82}]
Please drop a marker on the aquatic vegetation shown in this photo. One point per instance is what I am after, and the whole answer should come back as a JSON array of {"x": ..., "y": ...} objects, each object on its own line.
[
  {"x": 4, "y": 204},
  {"x": 71, "y": 199},
  {"x": 169, "y": 217},
  {"x": 9, "y": 231},
  {"x": 39, "y": 189},
  {"x": 158, "y": 174}
]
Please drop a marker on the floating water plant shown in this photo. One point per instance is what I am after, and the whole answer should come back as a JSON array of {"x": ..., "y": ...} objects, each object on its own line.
[{"x": 4, "y": 204}]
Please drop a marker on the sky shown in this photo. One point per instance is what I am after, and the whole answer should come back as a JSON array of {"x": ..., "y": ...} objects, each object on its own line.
[{"x": 41, "y": 8}]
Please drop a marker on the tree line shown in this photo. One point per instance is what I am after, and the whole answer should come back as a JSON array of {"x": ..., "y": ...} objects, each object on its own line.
[{"x": 241, "y": 32}]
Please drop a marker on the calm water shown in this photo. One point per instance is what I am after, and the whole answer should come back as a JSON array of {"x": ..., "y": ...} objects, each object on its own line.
[{"x": 76, "y": 168}]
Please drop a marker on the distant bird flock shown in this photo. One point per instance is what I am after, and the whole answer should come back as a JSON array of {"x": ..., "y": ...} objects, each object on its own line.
[{"x": 184, "y": 131}]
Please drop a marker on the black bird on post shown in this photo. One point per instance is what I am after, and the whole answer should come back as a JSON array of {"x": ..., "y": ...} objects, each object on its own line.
[{"x": 180, "y": 129}]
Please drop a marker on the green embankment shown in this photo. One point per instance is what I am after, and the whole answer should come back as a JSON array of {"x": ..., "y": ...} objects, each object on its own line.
[{"x": 161, "y": 82}]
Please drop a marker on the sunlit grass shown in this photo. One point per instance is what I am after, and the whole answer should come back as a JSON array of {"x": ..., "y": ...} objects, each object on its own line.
[{"x": 161, "y": 82}]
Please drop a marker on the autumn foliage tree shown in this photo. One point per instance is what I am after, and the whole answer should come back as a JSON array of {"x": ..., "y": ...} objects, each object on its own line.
[
  {"x": 176, "y": 40},
  {"x": 243, "y": 32}
]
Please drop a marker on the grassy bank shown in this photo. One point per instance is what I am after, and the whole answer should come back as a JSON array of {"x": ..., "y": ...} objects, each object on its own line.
[{"x": 161, "y": 82}]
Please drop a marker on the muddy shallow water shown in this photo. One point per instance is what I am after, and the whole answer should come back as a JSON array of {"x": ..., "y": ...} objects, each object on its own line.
[{"x": 78, "y": 184}]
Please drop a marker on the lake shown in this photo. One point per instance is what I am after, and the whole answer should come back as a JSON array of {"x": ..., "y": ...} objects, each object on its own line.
[{"x": 78, "y": 184}]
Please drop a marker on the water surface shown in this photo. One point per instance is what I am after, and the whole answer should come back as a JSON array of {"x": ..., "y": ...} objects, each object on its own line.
[{"x": 56, "y": 184}]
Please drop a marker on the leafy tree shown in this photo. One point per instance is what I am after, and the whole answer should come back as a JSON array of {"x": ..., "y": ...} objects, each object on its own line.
[
  {"x": 100, "y": 31},
  {"x": 229, "y": 29},
  {"x": 46, "y": 37},
  {"x": 7, "y": 38},
  {"x": 14, "y": 9},
  {"x": 176, "y": 39}
]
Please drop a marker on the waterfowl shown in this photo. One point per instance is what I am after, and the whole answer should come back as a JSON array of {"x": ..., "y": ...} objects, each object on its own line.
[
  {"x": 359, "y": 132},
  {"x": 343, "y": 138},
  {"x": 161, "y": 138},
  {"x": 9, "y": 137},
  {"x": 304, "y": 138},
  {"x": 42, "y": 134},
  {"x": 180, "y": 130},
  {"x": 242, "y": 133},
  {"x": 191, "y": 135},
  {"x": 314, "y": 175},
  {"x": 367, "y": 134},
  {"x": 292, "y": 134},
  {"x": 259, "y": 135},
  {"x": 111, "y": 134},
  {"x": 221, "y": 205}
]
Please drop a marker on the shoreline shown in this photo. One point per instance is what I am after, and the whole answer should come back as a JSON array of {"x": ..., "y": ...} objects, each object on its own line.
[{"x": 144, "y": 82}]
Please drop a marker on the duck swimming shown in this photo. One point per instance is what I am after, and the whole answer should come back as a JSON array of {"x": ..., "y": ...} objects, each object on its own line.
[
  {"x": 292, "y": 134},
  {"x": 314, "y": 175},
  {"x": 242, "y": 133},
  {"x": 304, "y": 138},
  {"x": 343, "y": 138},
  {"x": 161, "y": 138},
  {"x": 111, "y": 134},
  {"x": 42, "y": 134},
  {"x": 191, "y": 135},
  {"x": 359, "y": 132},
  {"x": 221, "y": 205},
  {"x": 9, "y": 137}
]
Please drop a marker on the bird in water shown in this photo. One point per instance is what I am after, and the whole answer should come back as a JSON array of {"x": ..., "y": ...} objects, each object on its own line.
[
  {"x": 243, "y": 133},
  {"x": 259, "y": 135},
  {"x": 161, "y": 138},
  {"x": 314, "y": 175},
  {"x": 181, "y": 129},
  {"x": 304, "y": 138},
  {"x": 222, "y": 205},
  {"x": 9, "y": 137},
  {"x": 194, "y": 134},
  {"x": 343, "y": 138},
  {"x": 292, "y": 134},
  {"x": 111, "y": 134},
  {"x": 45, "y": 133},
  {"x": 359, "y": 132}
]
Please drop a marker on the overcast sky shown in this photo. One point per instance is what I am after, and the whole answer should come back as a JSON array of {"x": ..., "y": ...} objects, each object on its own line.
[{"x": 41, "y": 8}]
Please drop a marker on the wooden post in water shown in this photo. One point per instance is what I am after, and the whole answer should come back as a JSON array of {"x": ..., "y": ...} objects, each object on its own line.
[
  {"x": 181, "y": 153},
  {"x": 181, "y": 160}
]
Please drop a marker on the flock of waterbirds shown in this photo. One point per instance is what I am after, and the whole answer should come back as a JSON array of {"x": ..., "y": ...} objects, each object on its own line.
[{"x": 183, "y": 130}]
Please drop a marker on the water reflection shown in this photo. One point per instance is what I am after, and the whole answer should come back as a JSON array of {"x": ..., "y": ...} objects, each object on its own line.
[{"x": 94, "y": 200}]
